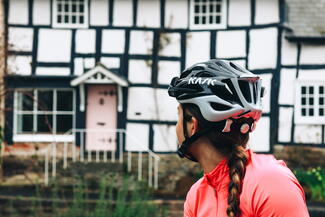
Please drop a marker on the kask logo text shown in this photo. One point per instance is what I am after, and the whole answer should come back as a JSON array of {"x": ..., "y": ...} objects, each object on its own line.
[{"x": 208, "y": 81}]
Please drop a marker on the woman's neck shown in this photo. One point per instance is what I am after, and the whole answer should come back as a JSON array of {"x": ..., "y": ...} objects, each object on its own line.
[{"x": 207, "y": 155}]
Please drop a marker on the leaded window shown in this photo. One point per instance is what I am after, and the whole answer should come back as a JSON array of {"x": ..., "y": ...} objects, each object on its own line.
[
  {"x": 207, "y": 14},
  {"x": 310, "y": 106},
  {"x": 70, "y": 13}
]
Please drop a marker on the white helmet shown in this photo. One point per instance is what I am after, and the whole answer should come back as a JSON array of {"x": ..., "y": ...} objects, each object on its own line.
[{"x": 221, "y": 89}]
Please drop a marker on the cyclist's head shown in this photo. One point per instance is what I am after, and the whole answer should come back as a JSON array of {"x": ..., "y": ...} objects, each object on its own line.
[{"x": 224, "y": 101}]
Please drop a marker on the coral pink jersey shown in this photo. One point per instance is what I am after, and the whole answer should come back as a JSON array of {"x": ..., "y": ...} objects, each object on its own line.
[{"x": 269, "y": 190}]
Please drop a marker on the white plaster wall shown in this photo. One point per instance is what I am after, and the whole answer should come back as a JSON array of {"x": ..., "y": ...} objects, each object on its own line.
[
  {"x": 164, "y": 138},
  {"x": 171, "y": 48},
  {"x": 168, "y": 70},
  {"x": 148, "y": 14},
  {"x": 285, "y": 124},
  {"x": 263, "y": 48},
  {"x": 139, "y": 71},
  {"x": 54, "y": 45},
  {"x": 141, "y": 42},
  {"x": 231, "y": 44},
  {"x": 99, "y": 12},
  {"x": 42, "y": 12},
  {"x": 198, "y": 47},
  {"x": 311, "y": 75},
  {"x": 18, "y": 12},
  {"x": 266, "y": 100},
  {"x": 289, "y": 52},
  {"x": 267, "y": 11},
  {"x": 167, "y": 106},
  {"x": 123, "y": 13},
  {"x": 110, "y": 62},
  {"x": 239, "y": 13},
  {"x": 20, "y": 39},
  {"x": 89, "y": 63},
  {"x": 141, "y": 101},
  {"x": 113, "y": 41},
  {"x": 176, "y": 14},
  {"x": 19, "y": 65},
  {"x": 312, "y": 54},
  {"x": 153, "y": 104},
  {"x": 260, "y": 139},
  {"x": 137, "y": 138},
  {"x": 78, "y": 66},
  {"x": 85, "y": 41},
  {"x": 308, "y": 134},
  {"x": 59, "y": 71},
  {"x": 287, "y": 86}
]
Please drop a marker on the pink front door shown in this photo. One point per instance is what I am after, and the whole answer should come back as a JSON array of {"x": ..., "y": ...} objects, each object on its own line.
[{"x": 101, "y": 117}]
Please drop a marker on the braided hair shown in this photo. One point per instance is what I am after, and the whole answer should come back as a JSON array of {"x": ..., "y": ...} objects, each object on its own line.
[{"x": 231, "y": 144}]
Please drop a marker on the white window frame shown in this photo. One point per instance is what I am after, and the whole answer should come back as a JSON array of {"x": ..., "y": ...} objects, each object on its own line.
[
  {"x": 43, "y": 137},
  {"x": 55, "y": 24},
  {"x": 316, "y": 119},
  {"x": 207, "y": 25}
]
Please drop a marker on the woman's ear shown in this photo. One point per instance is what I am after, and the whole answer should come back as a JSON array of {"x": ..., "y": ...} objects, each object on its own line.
[{"x": 193, "y": 126}]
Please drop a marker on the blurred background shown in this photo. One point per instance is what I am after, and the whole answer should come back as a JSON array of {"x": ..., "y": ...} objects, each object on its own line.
[{"x": 87, "y": 127}]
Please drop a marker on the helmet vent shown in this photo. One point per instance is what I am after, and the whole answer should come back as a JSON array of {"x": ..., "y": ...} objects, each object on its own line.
[
  {"x": 219, "y": 107},
  {"x": 244, "y": 87},
  {"x": 233, "y": 65},
  {"x": 204, "y": 74}
]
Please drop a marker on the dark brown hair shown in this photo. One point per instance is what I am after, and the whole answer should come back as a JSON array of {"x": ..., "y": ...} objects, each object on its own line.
[{"x": 232, "y": 144}]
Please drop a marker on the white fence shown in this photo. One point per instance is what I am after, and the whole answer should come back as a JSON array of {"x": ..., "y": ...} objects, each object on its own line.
[{"x": 83, "y": 155}]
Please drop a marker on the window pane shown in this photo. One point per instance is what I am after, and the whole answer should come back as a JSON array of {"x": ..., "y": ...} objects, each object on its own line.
[
  {"x": 210, "y": 19},
  {"x": 44, "y": 123},
  {"x": 321, "y": 90},
  {"x": 81, "y": 8},
  {"x": 218, "y": 19},
  {"x": 59, "y": 17},
  {"x": 303, "y": 90},
  {"x": 218, "y": 8},
  {"x": 303, "y": 101},
  {"x": 45, "y": 100},
  {"x": 197, "y": 9},
  {"x": 74, "y": 8},
  {"x": 66, "y": 19},
  {"x": 74, "y": 19},
  {"x": 25, "y": 124},
  {"x": 311, "y": 90},
  {"x": 59, "y": 7},
  {"x": 64, "y": 100},
  {"x": 211, "y": 8},
  {"x": 196, "y": 20},
  {"x": 303, "y": 112},
  {"x": 311, "y": 101},
  {"x": 81, "y": 19},
  {"x": 63, "y": 123},
  {"x": 311, "y": 112},
  {"x": 25, "y": 101},
  {"x": 204, "y": 9},
  {"x": 321, "y": 112},
  {"x": 66, "y": 7},
  {"x": 203, "y": 20},
  {"x": 321, "y": 101}
]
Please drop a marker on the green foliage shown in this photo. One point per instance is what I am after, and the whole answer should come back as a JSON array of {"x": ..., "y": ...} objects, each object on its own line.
[
  {"x": 126, "y": 199},
  {"x": 313, "y": 180}
]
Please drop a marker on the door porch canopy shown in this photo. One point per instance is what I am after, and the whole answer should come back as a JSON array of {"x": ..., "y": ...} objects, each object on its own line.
[{"x": 100, "y": 75}]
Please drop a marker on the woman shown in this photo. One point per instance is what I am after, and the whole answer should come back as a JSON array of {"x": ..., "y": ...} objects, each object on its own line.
[{"x": 220, "y": 103}]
